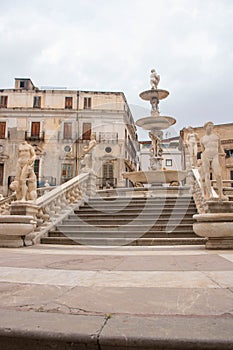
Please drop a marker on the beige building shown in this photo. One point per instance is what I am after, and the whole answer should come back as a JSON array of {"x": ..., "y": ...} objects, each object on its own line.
[
  {"x": 225, "y": 132},
  {"x": 58, "y": 123}
]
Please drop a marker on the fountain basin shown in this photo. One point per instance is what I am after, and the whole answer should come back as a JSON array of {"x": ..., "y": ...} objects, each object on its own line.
[
  {"x": 155, "y": 123},
  {"x": 14, "y": 229},
  {"x": 158, "y": 93},
  {"x": 155, "y": 176}
]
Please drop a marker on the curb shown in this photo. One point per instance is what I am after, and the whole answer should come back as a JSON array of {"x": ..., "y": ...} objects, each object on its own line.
[{"x": 20, "y": 330}]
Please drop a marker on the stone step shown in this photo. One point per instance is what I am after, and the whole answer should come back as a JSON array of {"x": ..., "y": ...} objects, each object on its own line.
[
  {"x": 117, "y": 221},
  {"x": 122, "y": 211},
  {"x": 127, "y": 211},
  {"x": 125, "y": 228},
  {"x": 142, "y": 202},
  {"x": 125, "y": 234},
  {"x": 140, "y": 199},
  {"x": 123, "y": 241},
  {"x": 129, "y": 221}
]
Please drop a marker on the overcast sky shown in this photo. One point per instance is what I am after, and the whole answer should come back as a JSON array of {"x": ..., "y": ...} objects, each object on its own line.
[{"x": 111, "y": 45}]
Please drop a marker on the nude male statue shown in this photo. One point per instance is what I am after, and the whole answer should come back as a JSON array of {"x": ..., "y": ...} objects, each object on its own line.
[
  {"x": 25, "y": 172},
  {"x": 191, "y": 139},
  {"x": 211, "y": 149}
]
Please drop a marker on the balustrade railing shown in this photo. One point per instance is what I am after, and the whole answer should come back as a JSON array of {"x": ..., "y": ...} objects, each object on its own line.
[
  {"x": 55, "y": 203},
  {"x": 5, "y": 204},
  {"x": 197, "y": 191}
]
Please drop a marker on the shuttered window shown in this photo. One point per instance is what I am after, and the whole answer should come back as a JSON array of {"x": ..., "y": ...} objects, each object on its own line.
[
  {"x": 86, "y": 131},
  {"x": 2, "y": 130},
  {"x": 67, "y": 134},
  {"x": 35, "y": 129},
  {"x": 1, "y": 174},
  {"x": 68, "y": 102},
  {"x": 87, "y": 103}
]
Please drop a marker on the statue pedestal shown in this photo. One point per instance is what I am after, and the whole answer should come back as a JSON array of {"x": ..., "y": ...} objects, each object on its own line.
[
  {"x": 16, "y": 230},
  {"x": 217, "y": 227},
  {"x": 23, "y": 208}
]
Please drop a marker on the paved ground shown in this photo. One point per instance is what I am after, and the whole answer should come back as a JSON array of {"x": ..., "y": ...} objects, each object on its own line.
[{"x": 116, "y": 297}]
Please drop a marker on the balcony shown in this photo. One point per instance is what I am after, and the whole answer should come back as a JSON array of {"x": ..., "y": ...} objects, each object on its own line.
[
  {"x": 103, "y": 182},
  {"x": 108, "y": 137},
  {"x": 34, "y": 137}
]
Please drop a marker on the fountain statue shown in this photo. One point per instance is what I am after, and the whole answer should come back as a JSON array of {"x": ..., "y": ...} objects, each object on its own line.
[
  {"x": 155, "y": 124},
  {"x": 211, "y": 150},
  {"x": 216, "y": 223},
  {"x": 25, "y": 181},
  {"x": 191, "y": 140},
  {"x": 86, "y": 161}
]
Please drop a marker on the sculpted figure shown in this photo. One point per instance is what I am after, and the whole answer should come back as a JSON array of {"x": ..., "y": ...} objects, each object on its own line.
[
  {"x": 211, "y": 149},
  {"x": 91, "y": 144},
  {"x": 154, "y": 79},
  {"x": 155, "y": 149},
  {"x": 86, "y": 157},
  {"x": 154, "y": 104},
  {"x": 192, "y": 139},
  {"x": 25, "y": 180},
  {"x": 202, "y": 177}
]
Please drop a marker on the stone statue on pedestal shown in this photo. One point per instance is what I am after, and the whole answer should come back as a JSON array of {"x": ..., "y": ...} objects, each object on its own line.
[
  {"x": 211, "y": 150},
  {"x": 154, "y": 79},
  {"x": 25, "y": 180},
  {"x": 87, "y": 156},
  {"x": 191, "y": 140}
]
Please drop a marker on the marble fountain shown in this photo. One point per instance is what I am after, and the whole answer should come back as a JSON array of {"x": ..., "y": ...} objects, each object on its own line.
[{"x": 155, "y": 124}]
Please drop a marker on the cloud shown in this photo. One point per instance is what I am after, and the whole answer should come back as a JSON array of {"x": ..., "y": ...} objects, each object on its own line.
[{"x": 103, "y": 45}]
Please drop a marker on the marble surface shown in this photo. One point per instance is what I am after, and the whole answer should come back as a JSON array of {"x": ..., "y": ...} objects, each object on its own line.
[{"x": 118, "y": 280}]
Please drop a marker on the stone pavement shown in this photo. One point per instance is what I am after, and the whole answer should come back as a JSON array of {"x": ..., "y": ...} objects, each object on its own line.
[{"x": 80, "y": 297}]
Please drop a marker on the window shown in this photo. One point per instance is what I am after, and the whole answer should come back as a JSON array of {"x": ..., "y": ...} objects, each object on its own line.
[
  {"x": 168, "y": 162},
  {"x": 229, "y": 153},
  {"x": 37, "y": 102},
  {"x": 35, "y": 130},
  {"x": 86, "y": 131},
  {"x": 68, "y": 102},
  {"x": 22, "y": 84},
  {"x": 3, "y": 101},
  {"x": 2, "y": 130},
  {"x": 67, "y": 131},
  {"x": 87, "y": 102},
  {"x": 108, "y": 179},
  {"x": 1, "y": 174},
  {"x": 67, "y": 172},
  {"x": 36, "y": 168}
]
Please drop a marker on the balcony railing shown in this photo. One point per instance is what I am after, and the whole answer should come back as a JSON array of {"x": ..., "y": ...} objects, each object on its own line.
[
  {"x": 34, "y": 137},
  {"x": 108, "y": 137},
  {"x": 102, "y": 182}
]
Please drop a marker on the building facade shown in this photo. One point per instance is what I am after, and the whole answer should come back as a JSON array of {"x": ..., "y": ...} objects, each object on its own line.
[
  {"x": 225, "y": 132},
  {"x": 59, "y": 123}
]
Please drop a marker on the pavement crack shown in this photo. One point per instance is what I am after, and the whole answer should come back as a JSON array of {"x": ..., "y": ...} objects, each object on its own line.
[{"x": 106, "y": 318}]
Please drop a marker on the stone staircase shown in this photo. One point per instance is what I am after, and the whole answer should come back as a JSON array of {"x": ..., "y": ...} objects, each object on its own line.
[{"x": 116, "y": 221}]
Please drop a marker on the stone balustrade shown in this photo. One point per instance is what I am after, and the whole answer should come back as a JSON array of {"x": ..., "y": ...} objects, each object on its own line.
[
  {"x": 5, "y": 204},
  {"x": 197, "y": 192},
  {"x": 49, "y": 209},
  {"x": 52, "y": 206}
]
